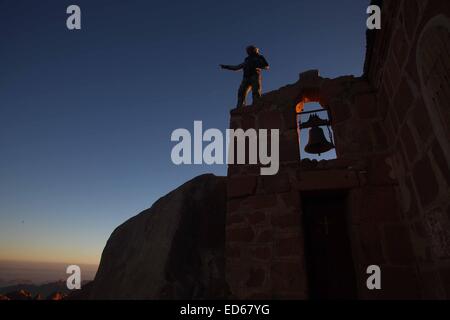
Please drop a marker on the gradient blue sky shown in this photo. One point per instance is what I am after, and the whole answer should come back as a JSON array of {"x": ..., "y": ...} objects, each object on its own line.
[{"x": 86, "y": 116}]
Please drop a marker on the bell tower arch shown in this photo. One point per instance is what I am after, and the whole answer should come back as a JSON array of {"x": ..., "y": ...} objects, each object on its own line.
[{"x": 315, "y": 133}]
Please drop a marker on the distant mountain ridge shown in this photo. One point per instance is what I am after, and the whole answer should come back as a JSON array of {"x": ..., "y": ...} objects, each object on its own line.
[
  {"x": 13, "y": 282},
  {"x": 39, "y": 273},
  {"x": 43, "y": 290}
]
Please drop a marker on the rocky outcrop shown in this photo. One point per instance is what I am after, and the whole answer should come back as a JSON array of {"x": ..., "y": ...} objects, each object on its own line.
[
  {"x": 19, "y": 295},
  {"x": 174, "y": 250},
  {"x": 40, "y": 290},
  {"x": 57, "y": 296}
]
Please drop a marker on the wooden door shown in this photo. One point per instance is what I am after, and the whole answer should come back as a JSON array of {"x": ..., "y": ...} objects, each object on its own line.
[{"x": 328, "y": 252}]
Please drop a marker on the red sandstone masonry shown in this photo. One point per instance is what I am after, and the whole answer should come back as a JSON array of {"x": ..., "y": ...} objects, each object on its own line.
[
  {"x": 264, "y": 229},
  {"x": 396, "y": 174},
  {"x": 411, "y": 130}
]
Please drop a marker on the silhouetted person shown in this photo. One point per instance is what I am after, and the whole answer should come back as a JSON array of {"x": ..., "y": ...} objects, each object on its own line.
[{"x": 252, "y": 74}]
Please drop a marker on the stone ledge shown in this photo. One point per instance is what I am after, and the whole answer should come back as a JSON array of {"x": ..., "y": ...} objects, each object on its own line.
[{"x": 327, "y": 179}]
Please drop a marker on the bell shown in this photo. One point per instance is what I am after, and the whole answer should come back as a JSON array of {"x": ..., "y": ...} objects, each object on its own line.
[
  {"x": 314, "y": 121},
  {"x": 317, "y": 143}
]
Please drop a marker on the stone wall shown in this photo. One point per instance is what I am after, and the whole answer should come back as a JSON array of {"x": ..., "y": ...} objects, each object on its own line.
[
  {"x": 379, "y": 234},
  {"x": 264, "y": 251},
  {"x": 408, "y": 65},
  {"x": 392, "y": 130}
]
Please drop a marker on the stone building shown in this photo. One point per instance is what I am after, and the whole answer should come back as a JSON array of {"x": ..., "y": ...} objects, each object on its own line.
[{"x": 312, "y": 230}]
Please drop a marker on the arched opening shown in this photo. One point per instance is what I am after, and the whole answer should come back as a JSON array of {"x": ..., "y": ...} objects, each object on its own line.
[{"x": 309, "y": 112}]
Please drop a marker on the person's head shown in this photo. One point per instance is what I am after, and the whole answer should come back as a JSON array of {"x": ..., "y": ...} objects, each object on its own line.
[{"x": 252, "y": 50}]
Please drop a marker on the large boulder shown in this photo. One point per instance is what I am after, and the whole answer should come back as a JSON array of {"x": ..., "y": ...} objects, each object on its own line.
[{"x": 174, "y": 250}]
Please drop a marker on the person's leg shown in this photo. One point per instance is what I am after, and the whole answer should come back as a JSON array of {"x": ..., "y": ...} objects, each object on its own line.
[
  {"x": 256, "y": 88},
  {"x": 242, "y": 92}
]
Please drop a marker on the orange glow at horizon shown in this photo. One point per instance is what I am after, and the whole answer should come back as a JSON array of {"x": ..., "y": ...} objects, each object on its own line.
[{"x": 24, "y": 253}]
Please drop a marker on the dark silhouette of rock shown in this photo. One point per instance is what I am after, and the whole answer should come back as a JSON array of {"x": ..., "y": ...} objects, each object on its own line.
[
  {"x": 38, "y": 297},
  {"x": 82, "y": 294},
  {"x": 56, "y": 296},
  {"x": 47, "y": 290},
  {"x": 174, "y": 250},
  {"x": 19, "y": 295},
  {"x": 44, "y": 289},
  {"x": 14, "y": 282}
]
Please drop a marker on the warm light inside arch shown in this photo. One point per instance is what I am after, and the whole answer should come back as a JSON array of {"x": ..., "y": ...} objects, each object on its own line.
[{"x": 301, "y": 105}]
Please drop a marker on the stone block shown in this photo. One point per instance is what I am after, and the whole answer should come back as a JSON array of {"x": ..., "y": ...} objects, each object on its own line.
[
  {"x": 264, "y": 236},
  {"x": 397, "y": 245},
  {"x": 291, "y": 199},
  {"x": 288, "y": 247},
  {"x": 255, "y": 217},
  {"x": 327, "y": 179},
  {"x": 445, "y": 277},
  {"x": 379, "y": 204},
  {"x": 408, "y": 142},
  {"x": 371, "y": 240},
  {"x": 366, "y": 106},
  {"x": 232, "y": 251},
  {"x": 381, "y": 140},
  {"x": 261, "y": 201},
  {"x": 340, "y": 112},
  {"x": 421, "y": 121},
  {"x": 289, "y": 118},
  {"x": 269, "y": 120},
  {"x": 400, "y": 46},
  {"x": 234, "y": 218},
  {"x": 399, "y": 283},
  {"x": 289, "y": 150},
  {"x": 241, "y": 186},
  {"x": 403, "y": 99},
  {"x": 239, "y": 234},
  {"x": 425, "y": 181},
  {"x": 256, "y": 277},
  {"x": 284, "y": 220},
  {"x": 261, "y": 252},
  {"x": 233, "y": 205},
  {"x": 411, "y": 12},
  {"x": 441, "y": 161},
  {"x": 381, "y": 171},
  {"x": 288, "y": 276},
  {"x": 276, "y": 184},
  {"x": 383, "y": 103},
  {"x": 247, "y": 122}
]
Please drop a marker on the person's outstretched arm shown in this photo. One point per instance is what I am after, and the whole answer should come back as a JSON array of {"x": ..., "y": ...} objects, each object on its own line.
[{"x": 233, "y": 68}]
